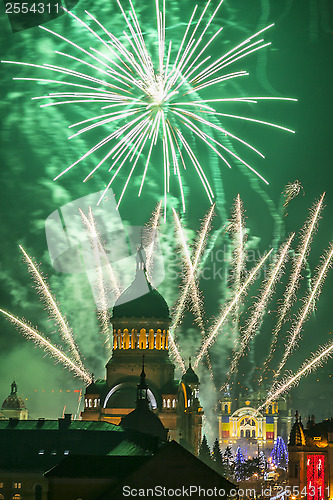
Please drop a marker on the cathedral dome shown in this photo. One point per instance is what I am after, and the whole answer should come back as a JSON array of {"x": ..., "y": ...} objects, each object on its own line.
[
  {"x": 13, "y": 402},
  {"x": 141, "y": 299}
]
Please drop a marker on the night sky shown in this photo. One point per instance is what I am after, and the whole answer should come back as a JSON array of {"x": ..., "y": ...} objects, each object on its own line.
[{"x": 35, "y": 149}]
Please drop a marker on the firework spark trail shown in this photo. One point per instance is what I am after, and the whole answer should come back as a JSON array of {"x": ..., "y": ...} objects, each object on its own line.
[
  {"x": 259, "y": 309},
  {"x": 190, "y": 279},
  {"x": 212, "y": 337},
  {"x": 53, "y": 308},
  {"x": 304, "y": 313},
  {"x": 59, "y": 355},
  {"x": 102, "y": 307},
  {"x": 147, "y": 103},
  {"x": 237, "y": 228},
  {"x": 316, "y": 360},
  {"x": 152, "y": 229},
  {"x": 289, "y": 295},
  {"x": 90, "y": 223}
]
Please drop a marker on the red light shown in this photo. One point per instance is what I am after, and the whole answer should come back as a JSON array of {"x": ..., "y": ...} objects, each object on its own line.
[{"x": 315, "y": 476}]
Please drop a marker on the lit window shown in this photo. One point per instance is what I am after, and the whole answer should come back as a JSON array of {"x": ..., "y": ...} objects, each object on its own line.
[
  {"x": 66, "y": 452},
  {"x": 164, "y": 403},
  {"x": 41, "y": 452},
  {"x": 54, "y": 452},
  {"x": 1, "y": 485},
  {"x": 90, "y": 403},
  {"x": 17, "y": 486},
  {"x": 168, "y": 403},
  {"x": 173, "y": 403},
  {"x": 17, "y": 497}
]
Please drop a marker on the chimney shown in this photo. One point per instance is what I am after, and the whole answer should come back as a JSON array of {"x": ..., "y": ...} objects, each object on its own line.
[{"x": 64, "y": 423}]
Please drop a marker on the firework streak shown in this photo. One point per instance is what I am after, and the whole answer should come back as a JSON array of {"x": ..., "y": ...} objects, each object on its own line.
[
  {"x": 152, "y": 107},
  {"x": 152, "y": 229},
  {"x": 53, "y": 308},
  {"x": 289, "y": 295},
  {"x": 316, "y": 360},
  {"x": 190, "y": 276},
  {"x": 212, "y": 337},
  {"x": 56, "y": 353},
  {"x": 309, "y": 301},
  {"x": 259, "y": 309}
]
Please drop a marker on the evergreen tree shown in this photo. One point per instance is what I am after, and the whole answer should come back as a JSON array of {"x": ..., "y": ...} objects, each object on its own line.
[
  {"x": 204, "y": 452},
  {"x": 218, "y": 459},
  {"x": 279, "y": 453},
  {"x": 240, "y": 466},
  {"x": 262, "y": 463},
  {"x": 228, "y": 461}
]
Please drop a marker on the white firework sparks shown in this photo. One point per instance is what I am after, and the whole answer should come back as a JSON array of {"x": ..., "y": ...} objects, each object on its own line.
[{"x": 153, "y": 104}]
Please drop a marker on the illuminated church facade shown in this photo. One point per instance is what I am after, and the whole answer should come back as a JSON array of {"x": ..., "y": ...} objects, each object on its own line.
[
  {"x": 140, "y": 320},
  {"x": 240, "y": 424}
]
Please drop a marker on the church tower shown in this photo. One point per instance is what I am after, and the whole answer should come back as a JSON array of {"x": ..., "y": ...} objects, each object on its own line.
[
  {"x": 14, "y": 406},
  {"x": 141, "y": 320}
]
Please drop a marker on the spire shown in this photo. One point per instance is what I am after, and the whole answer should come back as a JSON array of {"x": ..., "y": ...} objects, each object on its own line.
[
  {"x": 297, "y": 437},
  {"x": 142, "y": 390}
]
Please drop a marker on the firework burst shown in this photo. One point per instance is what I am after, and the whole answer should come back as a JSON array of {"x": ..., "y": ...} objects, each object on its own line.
[{"x": 153, "y": 101}]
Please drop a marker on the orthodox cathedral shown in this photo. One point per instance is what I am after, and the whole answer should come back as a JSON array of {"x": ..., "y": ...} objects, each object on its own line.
[{"x": 140, "y": 320}]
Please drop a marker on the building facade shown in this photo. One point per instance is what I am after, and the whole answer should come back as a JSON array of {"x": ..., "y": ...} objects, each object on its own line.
[
  {"x": 310, "y": 468},
  {"x": 240, "y": 424}
]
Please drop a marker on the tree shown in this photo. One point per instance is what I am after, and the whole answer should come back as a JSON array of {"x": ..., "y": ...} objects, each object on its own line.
[
  {"x": 262, "y": 463},
  {"x": 204, "y": 452},
  {"x": 228, "y": 462},
  {"x": 218, "y": 459},
  {"x": 279, "y": 453},
  {"x": 239, "y": 471}
]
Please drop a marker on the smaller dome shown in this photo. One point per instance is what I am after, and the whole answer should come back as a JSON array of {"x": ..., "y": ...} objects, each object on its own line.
[
  {"x": 13, "y": 402},
  {"x": 190, "y": 376},
  {"x": 297, "y": 437}
]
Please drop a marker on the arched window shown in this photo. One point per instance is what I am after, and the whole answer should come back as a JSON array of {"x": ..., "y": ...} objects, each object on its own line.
[
  {"x": 151, "y": 339},
  {"x": 226, "y": 408},
  {"x": 134, "y": 339},
  {"x": 247, "y": 433},
  {"x": 253, "y": 434},
  {"x": 270, "y": 409},
  {"x": 126, "y": 339},
  {"x": 241, "y": 433},
  {"x": 38, "y": 492},
  {"x": 173, "y": 403},
  {"x": 119, "y": 339},
  {"x": 16, "y": 497},
  {"x": 142, "y": 339},
  {"x": 164, "y": 403},
  {"x": 158, "y": 341},
  {"x": 168, "y": 403}
]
